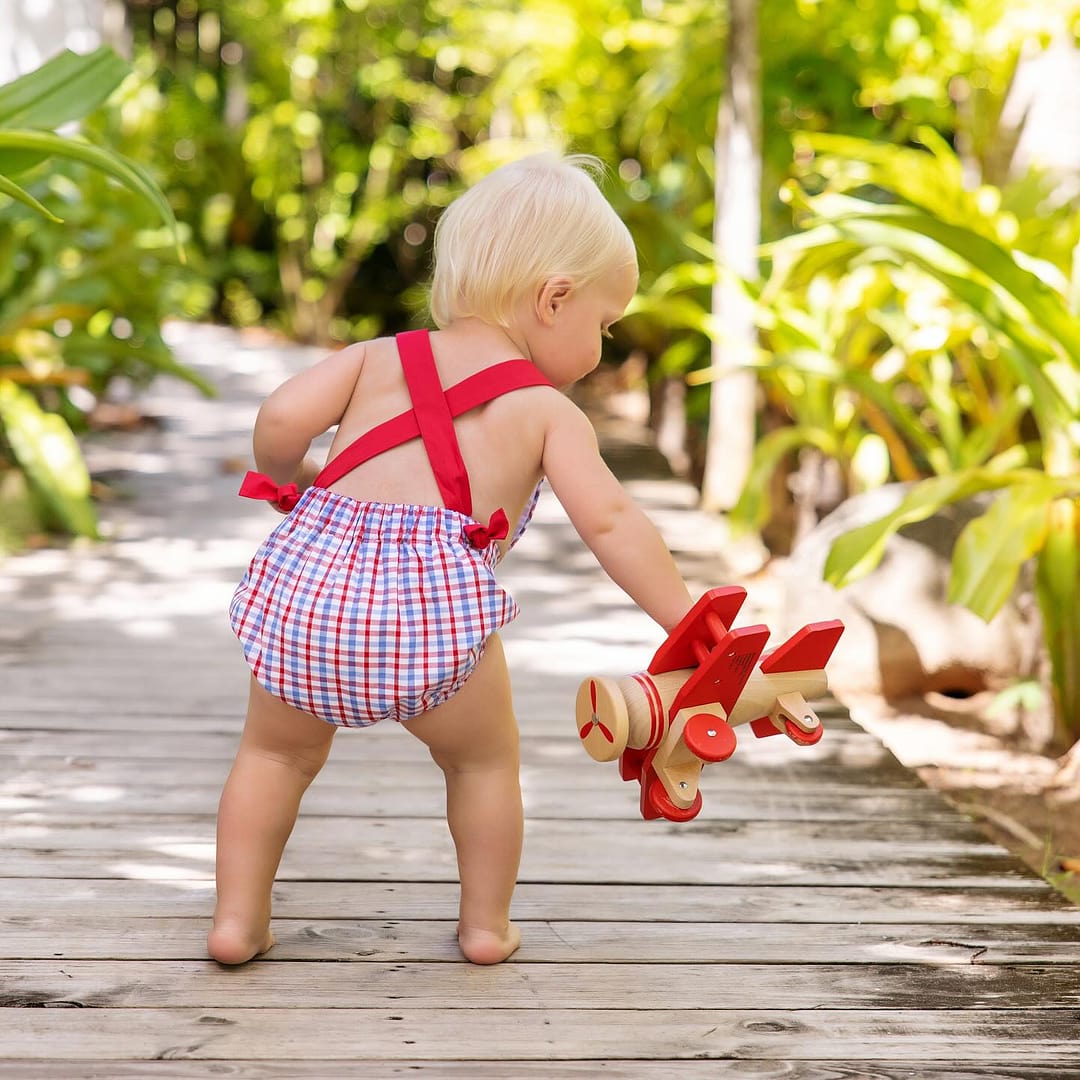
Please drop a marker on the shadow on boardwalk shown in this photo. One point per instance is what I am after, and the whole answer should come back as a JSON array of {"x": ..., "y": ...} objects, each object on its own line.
[{"x": 825, "y": 917}]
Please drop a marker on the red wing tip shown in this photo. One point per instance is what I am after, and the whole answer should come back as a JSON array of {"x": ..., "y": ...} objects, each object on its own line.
[{"x": 808, "y": 649}]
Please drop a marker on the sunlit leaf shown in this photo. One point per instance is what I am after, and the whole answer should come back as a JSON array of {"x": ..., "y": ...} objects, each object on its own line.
[
  {"x": 49, "y": 454},
  {"x": 129, "y": 173},
  {"x": 857, "y": 552},
  {"x": 907, "y": 229},
  {"x": 65, "y": 88},
  {"x": 991, "y": 549},
  {"x": 9, "y": 187}
]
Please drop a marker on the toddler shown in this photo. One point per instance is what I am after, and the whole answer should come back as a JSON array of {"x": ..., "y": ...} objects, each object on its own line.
[{"x": 376, "y": 596}]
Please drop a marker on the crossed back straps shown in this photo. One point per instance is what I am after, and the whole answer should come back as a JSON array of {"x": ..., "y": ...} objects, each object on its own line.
[{"x": 432, "y": 417}]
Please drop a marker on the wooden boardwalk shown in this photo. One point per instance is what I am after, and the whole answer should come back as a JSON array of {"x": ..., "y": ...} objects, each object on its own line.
[{"x": 825, "y": 918}]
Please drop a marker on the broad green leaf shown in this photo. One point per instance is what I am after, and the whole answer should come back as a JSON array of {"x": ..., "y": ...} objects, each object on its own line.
[
  {"x": 856, "y": 553},
  {"x": 686, "y": 275},
  {"x": 1057, "y": 585},
  {"x": 14, "y": 162},
  {"x": 65, "y": 88},
  {"x": 1046, "y": 307},
  {"x": 22, "y": 516},
  {"x": 991, "y": 549},
  {"x": 9, "y": 187},
  {"x": 48, "y": 453},
  {"x": 1032, "y": 356},
  {"x": 129, "y": 173},
  {"x": 1027, "y": 353},
  {"x": 933, "y": 181},
  {"x": 1065, "y": 378}
]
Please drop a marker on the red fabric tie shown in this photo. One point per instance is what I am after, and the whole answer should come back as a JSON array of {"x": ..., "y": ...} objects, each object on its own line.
[
  {"x": 498, "y": 528},
  {"x": 260, "y": 486}
]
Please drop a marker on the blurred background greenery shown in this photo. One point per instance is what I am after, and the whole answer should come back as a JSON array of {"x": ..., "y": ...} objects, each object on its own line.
[{"x": 913, "y": 306}]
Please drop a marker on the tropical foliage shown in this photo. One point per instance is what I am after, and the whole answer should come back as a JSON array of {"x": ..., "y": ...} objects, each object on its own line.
[
  {"x": 985, "y": 394},
  {"x": 74, "y": 307},
  {"x": 920, "y": 331}
]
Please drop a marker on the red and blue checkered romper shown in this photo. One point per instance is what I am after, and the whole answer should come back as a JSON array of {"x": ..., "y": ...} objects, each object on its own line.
[{"x": 359, "y": 611}]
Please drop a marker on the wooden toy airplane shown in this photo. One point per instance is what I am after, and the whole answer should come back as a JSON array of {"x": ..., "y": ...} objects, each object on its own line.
[{"x": 666, "y": 722}]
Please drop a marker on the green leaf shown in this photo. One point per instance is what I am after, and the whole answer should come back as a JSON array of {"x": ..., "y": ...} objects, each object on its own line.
[
  {"x": 856, "y": 553},
  {"x": 48, "y": 453},
  {"x": 815, "y": 363},
  {"x": 129, "y": 173},
  {"x": 932, "y": 181},
  {"x": 65, "y": 88},
  {"x": 14, "y": 162},
  {"x": 9, "y": 187},
  {"x": 1057, "y": 585},
  {"x": 1046, "y": 307},
  {"x": 1029, "y": 355},
  {"x": 992, "y": 548}
]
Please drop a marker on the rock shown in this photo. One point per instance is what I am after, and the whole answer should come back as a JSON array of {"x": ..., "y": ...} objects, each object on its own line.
[{"x": 902, "y": 638}]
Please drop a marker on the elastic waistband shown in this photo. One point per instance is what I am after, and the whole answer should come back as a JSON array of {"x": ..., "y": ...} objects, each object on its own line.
[{"x": 330, "y": 511}]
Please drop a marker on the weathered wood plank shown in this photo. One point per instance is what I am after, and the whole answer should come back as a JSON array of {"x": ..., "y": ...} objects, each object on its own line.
[
  {"x": 553, "y": 795},
  {"x": 775, "y": 1069},
  {"x": 996, "y": 1037},
  {"x": 876, "y": 838},
  {"x": 109, "y": 938},
  {"x": 204, "y": 985},
  {"x": 537, "y": 714},
  {"x": 855, "y": 750},
  {"x": 577, "y": 771},
  {"x": 725, "y": 853},
  {"x": 1024, "y": 903},
  {"x": 194, "y": 860},
  {"x": 636, "y": 1070}
]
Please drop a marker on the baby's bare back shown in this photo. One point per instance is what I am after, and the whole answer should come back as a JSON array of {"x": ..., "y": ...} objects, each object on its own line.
[{"x": 501, "y": 442}]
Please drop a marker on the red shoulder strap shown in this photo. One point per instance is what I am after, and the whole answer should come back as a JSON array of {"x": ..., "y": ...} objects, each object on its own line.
[
  {"x": 468, "y": 394},
  {"x": 435, "y": 421}
]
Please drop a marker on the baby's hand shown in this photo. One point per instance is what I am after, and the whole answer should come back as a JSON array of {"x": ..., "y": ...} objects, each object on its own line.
[{"x": 305, "y": 477}]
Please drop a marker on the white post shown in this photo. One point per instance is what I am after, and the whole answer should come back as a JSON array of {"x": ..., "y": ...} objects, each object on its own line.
[
  {"x": 32, "y": 31},
  {"x": 736, "y": 234}
]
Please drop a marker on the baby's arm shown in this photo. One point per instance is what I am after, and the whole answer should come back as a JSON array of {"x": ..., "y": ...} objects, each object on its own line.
[
  {"x": 627, "y": 544},
  {"x": 300, "y": 410}
]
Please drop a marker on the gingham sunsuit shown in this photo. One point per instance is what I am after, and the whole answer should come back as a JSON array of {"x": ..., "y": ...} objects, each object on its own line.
[{"x": 360, "y": 611}]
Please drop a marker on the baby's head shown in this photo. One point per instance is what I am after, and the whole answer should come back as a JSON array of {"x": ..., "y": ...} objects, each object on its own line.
[{"x": 527, "y": 222}]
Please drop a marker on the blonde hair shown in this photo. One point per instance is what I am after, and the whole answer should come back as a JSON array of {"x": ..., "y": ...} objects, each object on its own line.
[{"x": 522, "y": 224}]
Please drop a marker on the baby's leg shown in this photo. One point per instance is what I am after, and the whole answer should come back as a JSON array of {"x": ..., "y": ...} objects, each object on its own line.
[
  {"x": 473, "y": 738},
  {"x": 281, "y": 752}
]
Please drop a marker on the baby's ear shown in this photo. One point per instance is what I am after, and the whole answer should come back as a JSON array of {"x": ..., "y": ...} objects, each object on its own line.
[{"x": 551, "y": 297}]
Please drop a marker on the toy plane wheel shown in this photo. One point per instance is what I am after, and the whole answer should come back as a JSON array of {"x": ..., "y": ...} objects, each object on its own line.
[
  {"x": 709, "y": 737},
  {"x": 661, "y": 802},
  {"x": 602, "y": 720},
  {"x": 804, "y": 738}
]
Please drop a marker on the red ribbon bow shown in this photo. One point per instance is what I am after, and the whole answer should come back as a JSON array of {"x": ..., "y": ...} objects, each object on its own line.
[
  {"x": 260, "y": 486},
  {"x": 496, "y": 529}
]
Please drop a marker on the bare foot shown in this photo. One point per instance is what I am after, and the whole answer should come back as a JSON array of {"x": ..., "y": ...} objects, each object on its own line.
[
  {"x": 486, "y": 946},
  {"x": 229, "y": 946}
]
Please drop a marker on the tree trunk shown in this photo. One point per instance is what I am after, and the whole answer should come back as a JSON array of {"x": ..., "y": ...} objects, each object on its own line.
[{"x": 736, "y": 234}]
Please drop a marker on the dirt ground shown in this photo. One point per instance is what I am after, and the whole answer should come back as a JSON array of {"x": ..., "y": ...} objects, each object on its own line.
[{"x": 980, "y": 760}]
